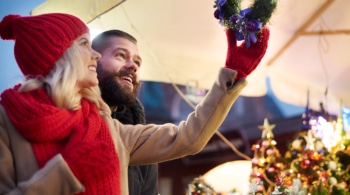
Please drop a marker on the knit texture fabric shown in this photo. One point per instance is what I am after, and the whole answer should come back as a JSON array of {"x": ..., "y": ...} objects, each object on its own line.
[
  {"x": 82, "y": 137},
  {"x": 41, "y": 40},
  {"x": 242, "y": 59}
]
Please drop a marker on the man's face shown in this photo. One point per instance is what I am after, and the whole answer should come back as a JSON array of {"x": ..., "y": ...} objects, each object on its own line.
[{"x": 118, "y": 72}]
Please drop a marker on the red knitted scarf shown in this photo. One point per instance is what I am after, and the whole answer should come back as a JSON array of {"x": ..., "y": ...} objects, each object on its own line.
[{"x": 48, "y": 128}]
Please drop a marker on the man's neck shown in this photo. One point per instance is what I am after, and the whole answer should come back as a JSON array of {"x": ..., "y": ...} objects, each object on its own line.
[{"x": 113, "y": 108}]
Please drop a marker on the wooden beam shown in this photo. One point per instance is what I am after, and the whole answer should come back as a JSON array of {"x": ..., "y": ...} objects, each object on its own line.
[
  {"x": 326, "y": 32},
  {"x": 302, "y": 29}
]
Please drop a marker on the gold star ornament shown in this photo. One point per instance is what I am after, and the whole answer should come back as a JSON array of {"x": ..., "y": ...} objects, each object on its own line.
[{"x": 267, "y": 130}]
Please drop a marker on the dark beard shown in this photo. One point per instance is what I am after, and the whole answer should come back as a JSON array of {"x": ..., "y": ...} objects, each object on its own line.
[{"x": 112, "y": 92}]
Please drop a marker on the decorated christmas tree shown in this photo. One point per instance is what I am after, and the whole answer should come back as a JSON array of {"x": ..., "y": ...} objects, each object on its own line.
[
  {"x": 317, "y": 161},
  {"x": 267, "y": 162},
  {"x": 199, "y": 187}
]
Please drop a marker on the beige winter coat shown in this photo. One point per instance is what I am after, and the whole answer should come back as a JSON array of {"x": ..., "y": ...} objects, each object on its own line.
[{"x": 141, "y": 144}]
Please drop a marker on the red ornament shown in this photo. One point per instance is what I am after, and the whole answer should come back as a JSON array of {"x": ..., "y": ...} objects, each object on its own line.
[{"x": 304, "y": 164}]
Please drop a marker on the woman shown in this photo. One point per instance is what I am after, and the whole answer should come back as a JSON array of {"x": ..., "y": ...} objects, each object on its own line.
[{"x": 56, "y": 133}]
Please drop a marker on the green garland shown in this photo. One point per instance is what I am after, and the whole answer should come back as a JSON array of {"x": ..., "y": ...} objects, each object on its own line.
[
  {"x": 247, "y": 22},
  {"x": 223, "y": 13},
  {"x": 262, "y": 10}
]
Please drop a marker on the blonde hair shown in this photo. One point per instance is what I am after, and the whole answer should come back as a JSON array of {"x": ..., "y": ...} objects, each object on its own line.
[{"x": 60, "y": 83}]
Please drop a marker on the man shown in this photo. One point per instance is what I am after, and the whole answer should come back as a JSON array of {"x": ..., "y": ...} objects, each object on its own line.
[{"x": 118, "y": 74}]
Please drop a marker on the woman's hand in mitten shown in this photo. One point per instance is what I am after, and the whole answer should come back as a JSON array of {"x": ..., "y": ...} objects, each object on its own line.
[{"x": 242, "y": 59}]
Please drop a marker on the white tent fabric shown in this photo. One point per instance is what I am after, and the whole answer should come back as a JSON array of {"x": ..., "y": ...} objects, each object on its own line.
[{"x": 181, "y": 42}]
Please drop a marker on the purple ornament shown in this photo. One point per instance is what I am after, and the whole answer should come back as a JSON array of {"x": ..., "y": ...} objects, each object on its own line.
[
  {"x": 217, "y": 14},
  {"x": 250, "y": 26},
  {"x": 234, "y": 18}
]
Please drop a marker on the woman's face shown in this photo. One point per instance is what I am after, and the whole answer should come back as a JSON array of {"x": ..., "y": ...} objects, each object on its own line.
[{"x": 88, "y": 76}]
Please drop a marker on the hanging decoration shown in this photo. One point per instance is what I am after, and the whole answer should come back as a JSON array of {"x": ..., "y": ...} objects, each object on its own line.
[{"x": 244, "y": 22}]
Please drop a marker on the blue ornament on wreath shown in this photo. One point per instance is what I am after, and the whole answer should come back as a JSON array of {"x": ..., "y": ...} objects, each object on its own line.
[{"x": 245, "y": 29}]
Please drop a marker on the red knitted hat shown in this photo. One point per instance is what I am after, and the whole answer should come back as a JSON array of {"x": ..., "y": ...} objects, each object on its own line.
[{"x": 41, "y": 40}]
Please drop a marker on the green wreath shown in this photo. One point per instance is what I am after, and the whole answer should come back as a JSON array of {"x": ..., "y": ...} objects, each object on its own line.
[{"x": 247, "y": 22}]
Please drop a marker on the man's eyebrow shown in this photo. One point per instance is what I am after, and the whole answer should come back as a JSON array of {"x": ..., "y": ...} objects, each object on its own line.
[
  {"x": 121, "y": 48},
  {"x": 127, "y": 51}
]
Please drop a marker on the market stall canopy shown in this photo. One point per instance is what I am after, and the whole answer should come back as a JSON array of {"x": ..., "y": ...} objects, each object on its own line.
[{"x": 181, "y": 42}]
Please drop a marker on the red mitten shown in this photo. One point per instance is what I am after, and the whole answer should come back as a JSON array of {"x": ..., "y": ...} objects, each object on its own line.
[
  {"x": 88, "y": 159},
  {"x": 242, "y": 59}
]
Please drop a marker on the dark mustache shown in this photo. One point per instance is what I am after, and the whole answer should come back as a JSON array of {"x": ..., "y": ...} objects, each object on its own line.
[{"x": 125, "y": 73}]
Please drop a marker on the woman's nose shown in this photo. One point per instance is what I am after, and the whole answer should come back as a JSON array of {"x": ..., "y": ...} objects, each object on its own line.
[{"x": 96, "y": 55}]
